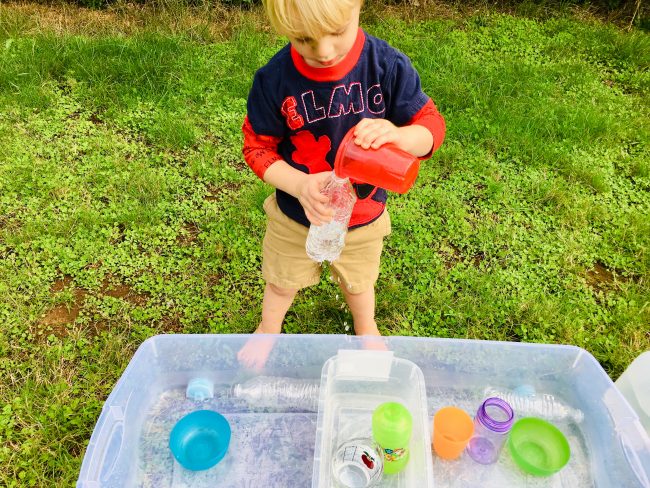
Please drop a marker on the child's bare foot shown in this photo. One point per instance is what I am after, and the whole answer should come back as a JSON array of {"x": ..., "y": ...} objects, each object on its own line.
[
  {"x": 256, "y": 351},
  {"x": 371, "y": 338}
]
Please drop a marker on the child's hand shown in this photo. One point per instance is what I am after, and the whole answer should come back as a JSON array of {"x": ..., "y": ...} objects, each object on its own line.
[
  {"x": 312, "y": 200},
  {"x": 375, "y": 133}
]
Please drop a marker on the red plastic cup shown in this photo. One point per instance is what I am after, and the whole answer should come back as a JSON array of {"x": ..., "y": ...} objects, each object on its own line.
[{"x": 387, "y": 167}]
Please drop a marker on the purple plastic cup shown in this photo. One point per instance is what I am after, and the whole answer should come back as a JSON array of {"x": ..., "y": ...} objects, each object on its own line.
[{"x": 492, "y": 424}]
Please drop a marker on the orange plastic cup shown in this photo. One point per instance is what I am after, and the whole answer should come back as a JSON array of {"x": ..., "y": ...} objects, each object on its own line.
[
  {"x": 387, "y": 167},
  {"x": 452, "y": 430}
]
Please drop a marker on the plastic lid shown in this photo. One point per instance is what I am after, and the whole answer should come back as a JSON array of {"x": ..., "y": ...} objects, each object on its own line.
[{"x": 392, "y": 424}]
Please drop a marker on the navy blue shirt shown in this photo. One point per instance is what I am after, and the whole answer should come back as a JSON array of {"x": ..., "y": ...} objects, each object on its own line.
[{"x": 309, "y": 110}]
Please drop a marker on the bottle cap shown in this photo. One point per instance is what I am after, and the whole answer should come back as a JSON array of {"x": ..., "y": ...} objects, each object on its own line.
[
  {"x": 392, "y": 424},
  {"x": 199, "y": 389}
]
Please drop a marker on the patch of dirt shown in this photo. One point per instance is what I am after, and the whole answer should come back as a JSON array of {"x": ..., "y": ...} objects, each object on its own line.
[
  {"x": 171, "y": 324},
  {"x": 189, "y": 234},
  {"x": 96, "y": 328},
  {"x": 602, "y": 279},
  {"x": 59, "y": 285},
  {"x": 599, "y": 277},
  {"x": 214, "y": 192},
  {"x": 452, "y": 255},
  {"x": 95, "y": 119},
  {"x": 6, "y": 219},
  {"x": 122, "y": 291},
  {"x": 480, "y": 186},
  {"x": 477, "y": 259},
  {"x": 58, "y": 318}
]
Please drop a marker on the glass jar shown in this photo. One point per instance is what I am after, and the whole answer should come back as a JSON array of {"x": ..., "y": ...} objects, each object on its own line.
[{"x": 492, "y": 424}]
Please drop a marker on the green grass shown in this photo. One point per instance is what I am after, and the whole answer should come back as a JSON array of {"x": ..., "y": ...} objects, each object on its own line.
[{"x": 126, "y": 209}]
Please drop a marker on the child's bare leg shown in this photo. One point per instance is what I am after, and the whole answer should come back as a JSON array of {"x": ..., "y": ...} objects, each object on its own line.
[
  {"x": 362, "y": 306},
  {"x": 274, "y": 307}
]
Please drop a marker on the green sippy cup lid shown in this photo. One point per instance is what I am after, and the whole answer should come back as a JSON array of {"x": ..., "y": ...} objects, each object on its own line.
[{"x": 392, "y": 424}]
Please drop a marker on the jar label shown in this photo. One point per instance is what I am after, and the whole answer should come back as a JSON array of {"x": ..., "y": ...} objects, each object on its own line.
[{"x": 394, "y": 454}]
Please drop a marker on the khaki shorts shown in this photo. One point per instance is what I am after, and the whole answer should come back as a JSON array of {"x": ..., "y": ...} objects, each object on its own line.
[{"x": 285, "y": 262}]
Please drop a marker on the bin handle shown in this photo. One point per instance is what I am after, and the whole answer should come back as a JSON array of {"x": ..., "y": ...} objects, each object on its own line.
[
  {"x": 111, "y": 431},
  {"x": 370, "y": 364},
  {"x": 632, "y": 457}
]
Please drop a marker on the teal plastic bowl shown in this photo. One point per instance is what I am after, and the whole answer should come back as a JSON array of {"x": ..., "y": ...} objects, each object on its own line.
[
  {"x": 539, "y": 448},
  {"x": 200, "y": 439}
]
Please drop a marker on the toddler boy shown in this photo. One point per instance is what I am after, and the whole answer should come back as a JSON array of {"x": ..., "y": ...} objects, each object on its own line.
[{"x": 332, "y": 76}]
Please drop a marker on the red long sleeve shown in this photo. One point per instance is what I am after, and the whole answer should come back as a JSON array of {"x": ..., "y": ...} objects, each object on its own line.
[
  {"x": 260, "y": 151},
  {"x": 429, "y": 117}
]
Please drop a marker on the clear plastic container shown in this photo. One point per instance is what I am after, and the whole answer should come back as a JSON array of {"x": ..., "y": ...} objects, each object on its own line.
[
  {"x": 274, "y": 447},
  {"x": 354, "y": 383},
  {"x": 634, "y": 383}
]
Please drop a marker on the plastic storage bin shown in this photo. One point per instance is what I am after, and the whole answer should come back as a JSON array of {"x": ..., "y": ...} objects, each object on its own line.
[
  {"x": 353, "y": 385},
  {"x": 274, "y": 448},
  {"x": 634, "y": 383}
]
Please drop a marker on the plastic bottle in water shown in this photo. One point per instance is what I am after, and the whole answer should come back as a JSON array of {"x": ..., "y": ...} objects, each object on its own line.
[
  {"x": 526, "y": 402},
  {"x": 325, "y": 242},
  {"x": 279, "y": 392}
]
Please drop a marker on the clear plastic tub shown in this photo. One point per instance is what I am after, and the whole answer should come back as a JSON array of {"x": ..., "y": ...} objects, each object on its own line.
[
  {"x": 634, "y": 384},
  {"x": 353, "y": 385},
  {"x": 274, "y": 448}
]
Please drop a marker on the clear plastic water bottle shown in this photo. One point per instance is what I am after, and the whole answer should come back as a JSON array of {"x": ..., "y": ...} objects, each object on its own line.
[
  {"x": 325, "y": 242},
  {"x": 544, "y": 405},
  {"x": 279, "y": 392}
]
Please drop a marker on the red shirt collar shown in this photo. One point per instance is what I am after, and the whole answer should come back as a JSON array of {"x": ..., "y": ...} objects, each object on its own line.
[{"x": 335, "y": 72}]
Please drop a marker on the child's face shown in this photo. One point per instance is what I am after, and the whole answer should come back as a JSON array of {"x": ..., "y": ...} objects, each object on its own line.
[{"x": 330, "y": 49}]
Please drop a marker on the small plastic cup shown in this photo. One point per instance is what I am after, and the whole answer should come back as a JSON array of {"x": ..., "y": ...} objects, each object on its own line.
[
  {"x": 387, "y": 167},
  {"x": 452, "y": 430},
  {"x": 357, "y": 463},
  {"x": 200, "y": 440},
  {"x": 539, "y": 448}
]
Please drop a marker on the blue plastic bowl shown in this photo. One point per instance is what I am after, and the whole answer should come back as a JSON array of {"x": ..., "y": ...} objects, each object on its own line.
[{"x": 200, "y": 439}]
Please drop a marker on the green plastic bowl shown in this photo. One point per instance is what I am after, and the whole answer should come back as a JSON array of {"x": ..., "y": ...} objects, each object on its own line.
[{"x": 538, "y": 447}]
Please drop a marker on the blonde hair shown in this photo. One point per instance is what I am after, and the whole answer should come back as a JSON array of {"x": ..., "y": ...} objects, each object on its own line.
[{"x": 309, "y": 18}]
